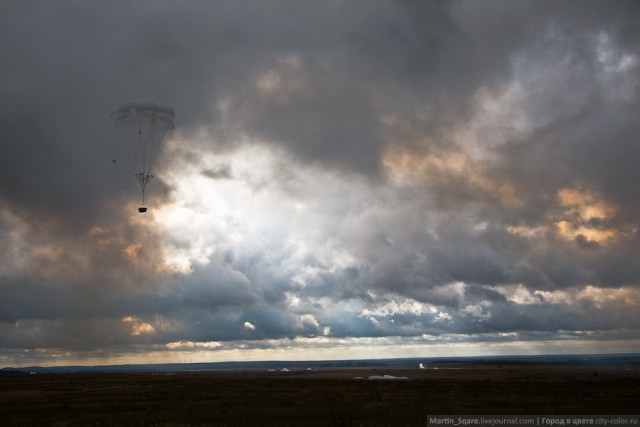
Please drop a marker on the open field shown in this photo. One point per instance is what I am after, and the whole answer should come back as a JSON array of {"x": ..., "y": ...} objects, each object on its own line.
[{"x": 322, "y": 397}]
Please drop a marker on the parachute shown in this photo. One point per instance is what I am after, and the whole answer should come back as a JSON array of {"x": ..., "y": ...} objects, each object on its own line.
[{"x": 144, "y": 127}]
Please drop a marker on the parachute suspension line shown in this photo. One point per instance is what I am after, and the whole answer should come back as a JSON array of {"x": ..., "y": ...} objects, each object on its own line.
[
  {"x": 160, "y": 141},
  {"x": 142, "y": 142},
  {"x": 124, "y": 135},
  {"x": 150, "y": 142},
  {"x": 143, "y": 179},
  {"x": 130, "y": 174}
]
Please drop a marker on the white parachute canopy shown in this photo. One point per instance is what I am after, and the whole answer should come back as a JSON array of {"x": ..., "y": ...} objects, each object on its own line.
[{"x": 144, "y": 127}]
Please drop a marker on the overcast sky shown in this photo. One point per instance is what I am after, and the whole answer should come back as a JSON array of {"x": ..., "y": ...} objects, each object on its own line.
[{"x": 346, "y": 179}]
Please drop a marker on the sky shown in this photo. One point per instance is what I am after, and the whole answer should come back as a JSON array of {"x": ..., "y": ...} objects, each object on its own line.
[{"x": 346, "y": 179}]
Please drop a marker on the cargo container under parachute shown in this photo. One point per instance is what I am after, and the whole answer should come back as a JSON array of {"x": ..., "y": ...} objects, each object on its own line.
[{"x": 144, "y": 127}]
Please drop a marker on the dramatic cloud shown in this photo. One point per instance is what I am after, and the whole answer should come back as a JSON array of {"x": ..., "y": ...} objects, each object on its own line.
[{"x": 346, "y": 179}]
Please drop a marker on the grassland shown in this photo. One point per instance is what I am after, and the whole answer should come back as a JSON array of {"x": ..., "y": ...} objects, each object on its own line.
[{"x": 324, "y": 397}]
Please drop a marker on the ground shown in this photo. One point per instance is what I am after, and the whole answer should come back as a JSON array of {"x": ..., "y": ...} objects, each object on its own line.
[{"x": 322, "y": 397}]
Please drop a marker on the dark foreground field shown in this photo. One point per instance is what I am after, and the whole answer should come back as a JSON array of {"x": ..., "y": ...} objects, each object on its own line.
[{"x": 330, "y": 397}]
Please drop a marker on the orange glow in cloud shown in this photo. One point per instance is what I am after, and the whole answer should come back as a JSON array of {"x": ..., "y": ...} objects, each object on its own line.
[
  {"x": 581, "y": 207},
  {"x": 584, "y": 205},
  {"x": 132, "y": 252},
  {"x": 405, "y": 165},
  {"x": 137, "y": 327},
  {"x": 104, "y": 236}
]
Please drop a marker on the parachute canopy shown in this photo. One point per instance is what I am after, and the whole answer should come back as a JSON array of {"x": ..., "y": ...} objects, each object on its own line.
[{"x": 144, "y": 127}]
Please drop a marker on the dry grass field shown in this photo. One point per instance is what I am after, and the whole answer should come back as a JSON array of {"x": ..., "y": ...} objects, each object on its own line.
[{"x": 324, "y": 397}]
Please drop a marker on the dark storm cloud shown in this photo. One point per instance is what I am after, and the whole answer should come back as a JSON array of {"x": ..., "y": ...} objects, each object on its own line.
[
  {"x": 468, "y": 143},
  {"x": 341, "y": 65}
]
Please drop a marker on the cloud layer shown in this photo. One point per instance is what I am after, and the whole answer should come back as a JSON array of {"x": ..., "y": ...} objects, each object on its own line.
[{"x": 346, "y": 178}]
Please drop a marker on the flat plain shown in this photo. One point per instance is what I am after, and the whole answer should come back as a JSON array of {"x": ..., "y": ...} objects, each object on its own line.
[{"x": 318, "y": 397}]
